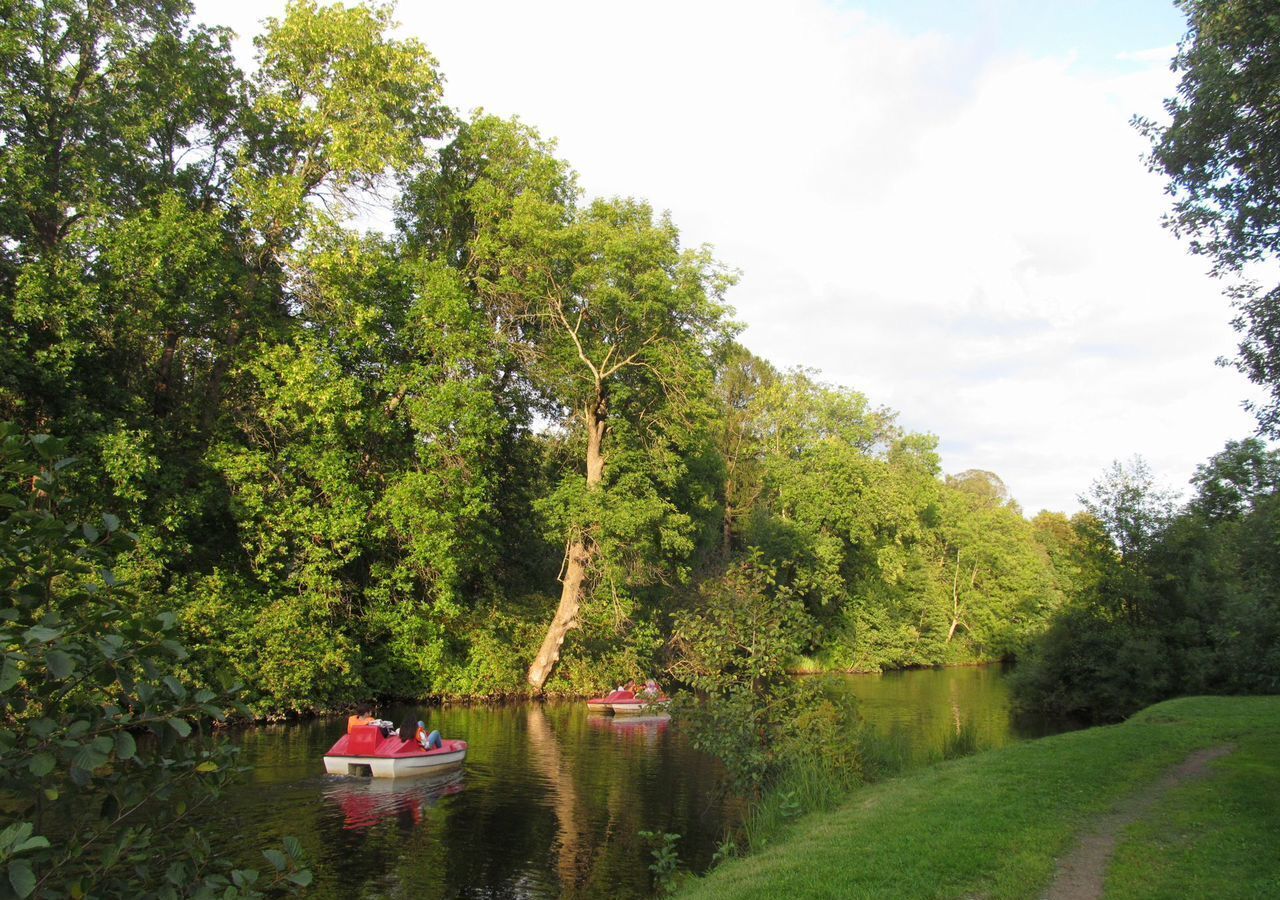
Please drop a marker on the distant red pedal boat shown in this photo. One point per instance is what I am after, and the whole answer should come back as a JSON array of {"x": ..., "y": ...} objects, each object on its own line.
[
  {"x": 366, "y": 751},
  {"x": 648, "y": 700}
]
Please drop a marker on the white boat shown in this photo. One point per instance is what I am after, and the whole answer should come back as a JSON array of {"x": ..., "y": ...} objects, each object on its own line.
[
  {"x": 628, "y": 702},
  {"x": 367, "y": 751}
]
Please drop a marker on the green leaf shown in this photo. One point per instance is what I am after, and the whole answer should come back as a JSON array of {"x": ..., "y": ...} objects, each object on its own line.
[
  {"x": 90, "y": 533},
  {"x": 8, "y": 501},
  {"x": 9, "y": 674},
  {"x": 103, "y": 744},
  {"x": 59, "y": 664},
  {"x": 301, "y": 879},
  {"x": 182, "y": 726},
  {"x": 276, "y": 858},
  {"x": 39, "y": 842},
  {"x": 22, "y": 878},
  {"x": 41, "y": 764},
  {"x": 126, "y": 746},
  {"x": 112, "y": 522},
  {"x": 39, "y": 634},
  {"x": 207, "y": 766},
  {"x": 175, "y": 687},
  {"x": 292, "y": 846},
  {"x": 88, "y": 758},
  {"x": 18, "y": 831}
]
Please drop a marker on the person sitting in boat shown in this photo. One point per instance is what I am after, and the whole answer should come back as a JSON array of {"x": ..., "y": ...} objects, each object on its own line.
[
  {"x": 362, "y": 716},
  {"x": 651, "y": 688},
  {"x": 431, "y": 741}
]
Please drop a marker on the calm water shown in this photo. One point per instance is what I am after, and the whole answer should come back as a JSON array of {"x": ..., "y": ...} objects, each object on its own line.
[{"x": 550, "y": 800}]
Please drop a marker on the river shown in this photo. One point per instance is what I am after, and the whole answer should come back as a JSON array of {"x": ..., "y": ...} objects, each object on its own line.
[{"x": 551, "y": 799}]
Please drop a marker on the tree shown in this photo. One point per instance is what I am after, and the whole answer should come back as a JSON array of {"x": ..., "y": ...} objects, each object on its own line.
[
  {"x": 1129, "y": 504},
  {"x": 987, "y": 487},
  {"x": 741, "y": 382},
  {"x": 1236, "y": 479},
  {"x": 1221, "y": 152},
  {"x": 615, "y": 323}
]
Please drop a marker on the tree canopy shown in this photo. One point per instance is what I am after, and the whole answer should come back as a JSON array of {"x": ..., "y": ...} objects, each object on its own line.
[{"x": 1220, "y": 150}]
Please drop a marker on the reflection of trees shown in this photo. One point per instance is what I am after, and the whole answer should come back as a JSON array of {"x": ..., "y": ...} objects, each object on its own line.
[{"x": 575, "y": 852}]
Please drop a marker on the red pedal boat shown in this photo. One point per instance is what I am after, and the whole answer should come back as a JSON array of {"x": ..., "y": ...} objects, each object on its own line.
[
  {"x": 367, "y": 751},
  {"x": 628, "y": 701}
]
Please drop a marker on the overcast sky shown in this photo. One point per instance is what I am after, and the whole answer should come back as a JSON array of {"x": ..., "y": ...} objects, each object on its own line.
[{"x": 940, "y": 203}]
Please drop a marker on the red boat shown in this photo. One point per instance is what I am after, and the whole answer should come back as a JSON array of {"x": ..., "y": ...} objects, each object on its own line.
[
  {"x": 628, "y": 700},
  {"x": 366, "y": 750}
]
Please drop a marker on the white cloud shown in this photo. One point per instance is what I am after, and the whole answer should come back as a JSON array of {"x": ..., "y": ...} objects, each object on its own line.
[{"x": 970, "y": 239}]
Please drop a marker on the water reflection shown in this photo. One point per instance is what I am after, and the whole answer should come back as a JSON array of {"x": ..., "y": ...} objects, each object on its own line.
[
  {"x": 548, "y": 804},
  {"x": 550, "y": 800},
  {"x": 921, "y": 708},
  {"x": 645, "y": 729},
  {"x": 366, "y": 802}
]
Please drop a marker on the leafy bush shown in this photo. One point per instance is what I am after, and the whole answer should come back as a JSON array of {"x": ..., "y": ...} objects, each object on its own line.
[
  {"x": 733, "y": 648},
  {"x": 103, "y": 751}
]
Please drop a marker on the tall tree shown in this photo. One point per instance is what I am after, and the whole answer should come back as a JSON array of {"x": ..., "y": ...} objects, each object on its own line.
[
  {"x": 1129, "y": 504},
  {"x": 1221, "y": 152},
  {"x": 616, "y": 323}
]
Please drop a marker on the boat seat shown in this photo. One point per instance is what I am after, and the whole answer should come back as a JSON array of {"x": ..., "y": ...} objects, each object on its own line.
[{"x": 363, "y": 741}]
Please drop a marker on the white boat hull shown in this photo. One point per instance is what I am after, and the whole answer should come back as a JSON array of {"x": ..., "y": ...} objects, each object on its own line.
[
  {"x": 637, "y": 708},
  {"x": 393, "y": 767}
]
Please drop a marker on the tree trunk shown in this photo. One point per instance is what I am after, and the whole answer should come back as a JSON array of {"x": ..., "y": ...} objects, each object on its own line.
[
  {"x": 164, "y": 377},
  {"x": 580, "y": 553}
]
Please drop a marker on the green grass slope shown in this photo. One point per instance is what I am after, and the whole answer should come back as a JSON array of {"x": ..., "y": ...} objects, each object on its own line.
[{"x": 992, "y": 825}]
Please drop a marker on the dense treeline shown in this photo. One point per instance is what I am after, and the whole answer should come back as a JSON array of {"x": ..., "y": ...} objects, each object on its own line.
[
  {"x": 359, "y": 463},
  {"x": 1167, "y": 602}
]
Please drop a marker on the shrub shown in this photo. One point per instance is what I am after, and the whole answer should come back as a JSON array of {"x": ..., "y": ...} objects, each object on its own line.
[{"x": 103, "y": 752}]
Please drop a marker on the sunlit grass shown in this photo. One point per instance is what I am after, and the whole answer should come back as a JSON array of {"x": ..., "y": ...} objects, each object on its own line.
[{"x": 994, "y": 824}]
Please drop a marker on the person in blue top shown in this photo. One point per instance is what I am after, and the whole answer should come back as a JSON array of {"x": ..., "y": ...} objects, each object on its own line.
[{"x": 430, "y": 741}]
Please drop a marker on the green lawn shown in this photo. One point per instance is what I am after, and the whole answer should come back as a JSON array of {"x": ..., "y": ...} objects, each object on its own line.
[{"x": 992, "y": 825}]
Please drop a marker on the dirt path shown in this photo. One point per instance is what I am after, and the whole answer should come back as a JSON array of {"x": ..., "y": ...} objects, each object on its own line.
[{"x": 1081, "y": 873}]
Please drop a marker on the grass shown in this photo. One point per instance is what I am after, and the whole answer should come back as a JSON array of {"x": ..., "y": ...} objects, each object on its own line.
[
  {"x": 1211, "y": 838},
  {"x": 993, "y": 824},
  {"x": 962, "y": 742}
]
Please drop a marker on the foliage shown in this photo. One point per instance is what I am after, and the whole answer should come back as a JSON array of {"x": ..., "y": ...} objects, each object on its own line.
[
  {"x": 786, "y": 747},
  {"x": 104, "y": 757},
  {"x": 1220, "y": 151},
  {"x": 356, "y": 464},
  {"x": 1132, "y": 509},
  {"x": 1191, "y": 607},
  {"x": 666, "y": 860}
]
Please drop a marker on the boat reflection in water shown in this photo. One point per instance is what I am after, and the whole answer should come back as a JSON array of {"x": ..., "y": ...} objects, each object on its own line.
[
  {"x": 366, "y": 802},
  {"x": 644, "y": 728}
]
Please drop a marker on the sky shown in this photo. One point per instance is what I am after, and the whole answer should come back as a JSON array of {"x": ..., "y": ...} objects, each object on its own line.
[{"x": 939, "y": 203}]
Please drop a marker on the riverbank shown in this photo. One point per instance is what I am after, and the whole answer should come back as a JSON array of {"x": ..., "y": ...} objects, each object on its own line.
[{"x": 997, "y": 824}]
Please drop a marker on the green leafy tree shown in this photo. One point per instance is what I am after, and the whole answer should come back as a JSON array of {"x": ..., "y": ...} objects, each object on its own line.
[
  {"x": 614, "y": 323},
  {"x": 102, "y": 760},
  {"x": 1129, "y": 504},
  {"x": 1190, "y": 608},
  {"x": 1220, "y": 150}
]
